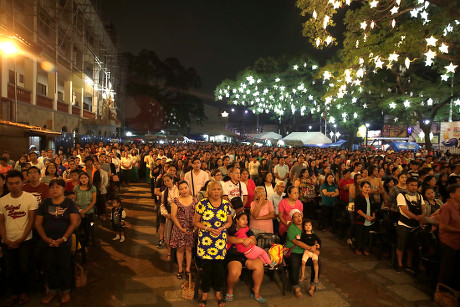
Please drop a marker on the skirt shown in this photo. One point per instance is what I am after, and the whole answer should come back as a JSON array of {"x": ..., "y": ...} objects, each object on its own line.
[{"x": 168, "y": 228}]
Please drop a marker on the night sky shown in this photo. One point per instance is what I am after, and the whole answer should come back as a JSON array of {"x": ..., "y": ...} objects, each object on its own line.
[{"x": 217, "y": 38}]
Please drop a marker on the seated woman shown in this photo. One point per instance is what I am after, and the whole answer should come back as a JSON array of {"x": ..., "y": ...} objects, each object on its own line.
[
  {"x": 235, "y": 260},
  {"x": 293, "y": 241},
  {"x": 262, "y": 213}
]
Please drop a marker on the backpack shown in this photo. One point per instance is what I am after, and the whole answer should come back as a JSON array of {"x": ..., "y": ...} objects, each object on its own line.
[{"x": 276, "y": 253}]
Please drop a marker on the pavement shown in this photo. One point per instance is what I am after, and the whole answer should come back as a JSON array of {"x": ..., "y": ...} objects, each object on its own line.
[{"x": 135, "y": 272}]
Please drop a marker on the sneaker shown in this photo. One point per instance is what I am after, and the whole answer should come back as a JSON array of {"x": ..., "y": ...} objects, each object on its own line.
[
  {"x": 160, "y": 244},
  {"x": 349, "y": 242},
  {"x": 117, "y": 237},
  {"x": 122, "y": 239}
]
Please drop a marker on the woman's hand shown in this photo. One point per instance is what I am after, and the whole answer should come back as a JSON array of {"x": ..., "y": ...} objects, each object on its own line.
[
  {"x": 215, "y": 232},
  {"x": 246, "y": 242}
]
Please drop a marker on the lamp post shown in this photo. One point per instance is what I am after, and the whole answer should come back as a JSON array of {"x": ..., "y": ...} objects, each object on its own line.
[{"x": 367, "y": 129}]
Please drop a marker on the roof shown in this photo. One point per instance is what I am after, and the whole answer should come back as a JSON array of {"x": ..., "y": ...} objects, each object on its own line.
[
  {"x": 306, "y": 138},
  {"x": 268, "y": 135},
  {"x": 32, "y": 128}
]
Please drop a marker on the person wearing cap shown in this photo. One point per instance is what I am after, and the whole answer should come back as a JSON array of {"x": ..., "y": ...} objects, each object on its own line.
[
  {"x": 33, "y": 160},
  {"x": 293, "y": 242}
]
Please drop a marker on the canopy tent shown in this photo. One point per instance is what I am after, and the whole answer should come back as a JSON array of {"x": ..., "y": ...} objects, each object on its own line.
[
  {"x": 340, "y": 144},
  {"x": 403, "y": 146},
  {"x": 268, "y": 135},
  {"x": 306, "y": 139}
]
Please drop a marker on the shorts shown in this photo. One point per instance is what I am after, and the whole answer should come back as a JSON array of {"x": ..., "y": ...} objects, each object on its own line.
[
  {"x": 118, "y": 228},
  {"x": 405, "y": 238},
  {"x": 307, "y": 255},
  {"x": 235, "y": 257}
]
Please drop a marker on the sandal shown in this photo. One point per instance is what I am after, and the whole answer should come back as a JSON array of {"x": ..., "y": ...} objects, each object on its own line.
[
  {"x": 298, "y": 293},
  {"x": 260, "y": 299},
  {"x": 168, "y": 258},
  {"x": 179, "y": 275},
  {"x": 202, "y": 302},
  {"x": 229, "y": 297},
  {"x": 221, "y": 302},
  {"x": 311, "y": 290}
]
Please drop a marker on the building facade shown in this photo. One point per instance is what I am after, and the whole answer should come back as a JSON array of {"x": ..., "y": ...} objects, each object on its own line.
[{"x": 64, "y": 74}]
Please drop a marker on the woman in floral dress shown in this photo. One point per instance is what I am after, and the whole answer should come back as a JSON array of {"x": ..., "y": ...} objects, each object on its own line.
[
  {"x": 182, "y": 212},
  {"x": 306, "y": 185},
  {"x": 212, "y": 218}
]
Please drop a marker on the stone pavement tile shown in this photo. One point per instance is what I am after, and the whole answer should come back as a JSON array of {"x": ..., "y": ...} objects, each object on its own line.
[
  {"x": 142, "y": 283},
  {"x": 409, "y": 293},
  {"x": 330, "y": 243},
  {"x": 377, "y": 278},
  {"x": 395, "y": 277},
  {"x": 363, "y": 265}
]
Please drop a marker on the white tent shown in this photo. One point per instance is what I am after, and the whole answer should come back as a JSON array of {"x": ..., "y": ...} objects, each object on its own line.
[
  {"x": 268, "y": 135},
  {"x": 306, "y": 138}
]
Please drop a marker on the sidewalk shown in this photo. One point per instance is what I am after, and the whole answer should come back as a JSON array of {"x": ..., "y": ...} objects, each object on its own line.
[{"x": 135, "y": 273}]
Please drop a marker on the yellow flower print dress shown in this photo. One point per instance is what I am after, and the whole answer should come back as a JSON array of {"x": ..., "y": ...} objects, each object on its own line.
[{"x": 209, "y": 246}]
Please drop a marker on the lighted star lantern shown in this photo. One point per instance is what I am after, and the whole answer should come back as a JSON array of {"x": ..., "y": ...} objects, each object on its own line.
[
  {"x": 431, "y": 41},
  {"x": 363, "y": 25},
  {"x": 327, "y": 75},
  {"x": 224, "y": 114},
  {"x": 429, "y": 102},
  {"x": 430, "y": 54},
  {"x": 393, "y": 57},
  {"x": 457, "y": 102},
  {"x": 407, "y": 63},
  {"x": 414, "y": 13},
  {"x": 365, "y": 106},
  {"x": 392, "y": 105},
  {"x": 337, "y": 134},
  {"x": 378, "y": 63},
  {"x": 326, "y": 21},
  {"x": 444, "y": 48},
  {"x": 328, "y": 40},
  {"x": 314, "y": 14},
  {"x": 421, "y": 135},
  {"x": 394, "y": 10},
  {"x": 393, "y": 23},
  {"x": 372, "y": 24},
  {"x": 428, "y": 62},
  {"x": 355, "y": 115},
  {"x": 354, "y": 99},
  {"x": 318, "y": 42},
  {"x": 406, "y": 103},
  {"x": 451, "y": 68},
  {"x": 395, "y": 119},
  {"x": 295, "y": 67},
  {"x": 444, "y": 77},
  {"x": 373, "y": 3}
]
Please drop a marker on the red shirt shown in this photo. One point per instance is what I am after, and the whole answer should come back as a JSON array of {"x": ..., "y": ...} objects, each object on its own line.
[
  {"x": 345, "y": 194},
  {"x": 69, "y": 185},
  {"x": 251, "y": 186},
  {"x": 41, "y": 192},
  {"x": 5, "y": 169},
  {"x": 449, "y": 214}
]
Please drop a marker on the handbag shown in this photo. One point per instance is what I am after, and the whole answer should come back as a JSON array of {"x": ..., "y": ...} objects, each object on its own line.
[
  {"x": 287, "y": 251},
  {"x": 237, "y": 202},
  {"x": 115, "y": 178},
  {"x": 80, "y": 276}
]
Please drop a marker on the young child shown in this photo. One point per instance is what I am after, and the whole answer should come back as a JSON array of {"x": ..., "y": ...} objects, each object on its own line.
[
  {"x": 312, "y": 240},
  {"x": 73, "y": 181},
  {"x": 70, "y": 194},
  {"x": 118, "y": 216},
  {"x": 252, "y": 251}
]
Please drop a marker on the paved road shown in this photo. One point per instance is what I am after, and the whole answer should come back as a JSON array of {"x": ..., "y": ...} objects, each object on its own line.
[{"x": 135, "y": 273}]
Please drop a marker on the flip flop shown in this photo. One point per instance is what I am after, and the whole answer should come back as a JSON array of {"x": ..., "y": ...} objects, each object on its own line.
[
  {"x": 229, "y": 297},
  {"x": 220, "y": 302},
  {"x": 260, "y": 299},
  {"x": 202, "y": 302}
]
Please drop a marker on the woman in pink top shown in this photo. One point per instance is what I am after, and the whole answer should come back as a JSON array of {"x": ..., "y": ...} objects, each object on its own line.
[
  {"x": 286, "y": 205},
  {"x": 262, "y": 213},
  {"x": 250, "y": 185}
]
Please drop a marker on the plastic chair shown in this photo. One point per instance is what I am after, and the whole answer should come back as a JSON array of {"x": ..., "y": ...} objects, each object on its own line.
[{"x": 265, "y": 241}]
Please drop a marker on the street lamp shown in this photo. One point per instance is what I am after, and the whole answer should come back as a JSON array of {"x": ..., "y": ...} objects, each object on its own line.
[
  {"x": 367, "y": 129},
  {"x": 8, "y": 48}
]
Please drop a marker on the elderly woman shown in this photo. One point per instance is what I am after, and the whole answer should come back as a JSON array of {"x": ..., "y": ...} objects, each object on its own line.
[
  {"x": 262, "y": 213},
  {"x": 212, "y": 218},
  {"x": 56, "y": 219},
  {"x": 295, "y": 259},
  {"x": 235, "y": 260},
  {"x": 286, "y": 205}
]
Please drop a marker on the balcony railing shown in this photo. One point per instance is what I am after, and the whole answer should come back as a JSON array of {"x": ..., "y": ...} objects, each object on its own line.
[
  {"x": 44, "y": 101},
  {"x": 63, "y": 107},
  {"x": 76, "y": 110},
  {"x": 22, "y": 94},
  {"x": 88, "y": 114}
]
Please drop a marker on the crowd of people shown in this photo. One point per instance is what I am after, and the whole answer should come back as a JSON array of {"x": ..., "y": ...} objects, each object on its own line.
[{"x": 213, "y": 200}]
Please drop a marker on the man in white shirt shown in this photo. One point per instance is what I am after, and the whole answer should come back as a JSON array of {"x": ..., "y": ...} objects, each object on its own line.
[
  {"x": 17, "y": 214},
  {"x": 411, "y": 208},
  {"x": 281, "y": 171},
  {"x": 33, "y": 160},
  {"x": 254, "y": 168},
  {"x": 196, "y": 178},
  {"x": 235, "y": 188}
]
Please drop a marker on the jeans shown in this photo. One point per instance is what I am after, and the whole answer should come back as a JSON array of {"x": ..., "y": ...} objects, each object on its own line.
[
  {"x": 450, "y": 267},
  {"x": 362, "y": 236},
  {"x": 58, "y": 268},
  {"x": 294, "y": 264},
  {"x": 326, "y": 216},
  {"x": 309, "y": 208},
  {"x": 213, "y": 275},
  {"x": 17, "y": 266},
  {"x": 85, "y": 229},
  {"x": 351, "y": 227}
]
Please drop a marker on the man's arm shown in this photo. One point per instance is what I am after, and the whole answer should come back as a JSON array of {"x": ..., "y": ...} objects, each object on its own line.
[
  {"x": 448, "y": 228},
  {"x": 28, "y": 228}
]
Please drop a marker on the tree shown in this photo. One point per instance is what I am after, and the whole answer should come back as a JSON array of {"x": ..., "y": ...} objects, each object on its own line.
[
  {"x": 167, "y": 83},
  {"x": 283, "y": 86},
  {"x": 399, "y": 56}
]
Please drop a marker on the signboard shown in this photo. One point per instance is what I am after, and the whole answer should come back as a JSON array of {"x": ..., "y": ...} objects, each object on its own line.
[{"x": 450, "y": 130}]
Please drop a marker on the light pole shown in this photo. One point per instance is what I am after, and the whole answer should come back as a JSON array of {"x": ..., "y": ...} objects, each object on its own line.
[{"x": 367, "y": 129}]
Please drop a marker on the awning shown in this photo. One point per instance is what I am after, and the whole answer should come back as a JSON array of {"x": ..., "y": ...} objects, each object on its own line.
[
  {"x": 31, "y": 128},
  {"x": 403, "y": 146}
]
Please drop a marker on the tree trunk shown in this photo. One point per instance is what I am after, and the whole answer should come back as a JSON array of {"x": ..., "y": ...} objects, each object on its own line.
[{"x": 426, "y": 130}]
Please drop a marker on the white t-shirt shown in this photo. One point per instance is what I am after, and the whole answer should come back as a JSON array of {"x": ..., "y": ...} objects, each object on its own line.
[
  {"x": 401, "y": 201},
  {"x": 39, "y": 165},
  {"x": 16, "y": 214},
  {"x": 232, "y": 190},
  {"x": 254, "y": 168},
  {"x": 198, "y": 181},
  {"x": 281, "y": 171}
]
